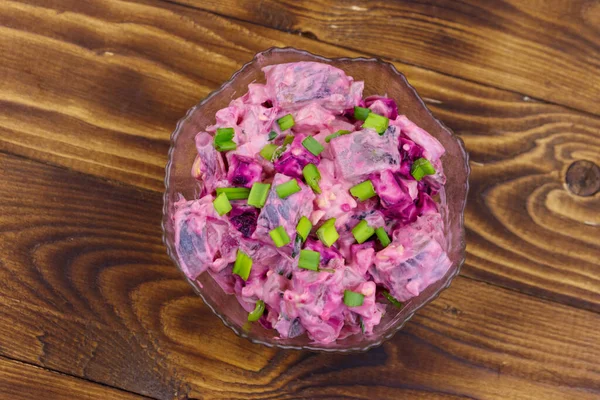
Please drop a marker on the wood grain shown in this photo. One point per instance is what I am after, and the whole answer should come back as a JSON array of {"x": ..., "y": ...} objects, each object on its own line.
[
  {"x": 19, "y": 381},
  {"x": 545, "y": 49},
  {"x": 86, "y": 289},
  {"x": 96, "y": 87}
]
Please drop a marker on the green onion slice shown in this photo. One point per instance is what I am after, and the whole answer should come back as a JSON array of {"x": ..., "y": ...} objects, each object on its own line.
[
  {"x": 278, "y": 152},
  {"x": 223, "y": 140},
  {"x": 311, "y": 144},
  {"x": 243, "y": 265},
  {"x": 224, "y": 134},
  {"x": 222, "y": 204},
  {"x": 363, "y": 190},
  {"x": 420, "y": 168},
  {"x": 353, "y": 299},
  {"x": 383, "y": 237},
  {"x": 309, "y": 260},
  {"x": 312, "y": 176},
  {"x": 226, "y": 146},
  {"x": 286, "y": 122},
  {"x": 234, "y": 193},
  {"x": 327, "y": 233},
  {"x": 377, "y": 122},
  {"x": 287, "y": 189},
  {"x": 362, "y": 231},
  {"x": 268, "y": 151},
  {"x": 279, "y": 236},
  {"x": 361, "y": 113},
  {"x": 288, "y": 139},
  {"x": 258, "y": 194},
  {"x": 258, "y": 311},
  {"x": 304, "y": 227},
  {"x": 336, "y": 134},
  {"x": 272, "y": 135},
  {"x": 392, "y": 299}
]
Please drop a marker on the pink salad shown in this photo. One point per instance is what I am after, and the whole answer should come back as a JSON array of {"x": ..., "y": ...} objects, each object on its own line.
[{"x": 317, "y": 207}]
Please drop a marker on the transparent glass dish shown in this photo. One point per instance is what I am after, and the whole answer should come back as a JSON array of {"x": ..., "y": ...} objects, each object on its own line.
[{"x": 380, "y": 78}]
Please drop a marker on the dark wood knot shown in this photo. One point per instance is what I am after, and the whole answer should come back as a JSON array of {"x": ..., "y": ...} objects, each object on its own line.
[{"x": 583, "y": 178}]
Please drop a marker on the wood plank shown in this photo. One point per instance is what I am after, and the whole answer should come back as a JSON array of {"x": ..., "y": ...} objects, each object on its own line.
[
  {"x": 545, "y": 49},
  {"x": 86, "y": 289},
  {"x": 20, "y": 381},
  {"x": 128, "y": 83}
]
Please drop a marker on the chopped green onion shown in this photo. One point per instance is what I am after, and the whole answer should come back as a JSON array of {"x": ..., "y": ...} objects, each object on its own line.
[
  {"x": 353, "y": 299},
  {"x": 258, "y": 194},
  {"x": 223, "y": 140},
  {"x": 286, "y": 122},
  {"x": 258, "y": 311},
  {"x": 362, "y": 231},
  {"x": 312, "y": 176},
  {"x": 309, "y": 260},
  {"x": 287, "y": 189},
  {"x": 304, "y": 227},
  {"x": 234, "y": 193},
  {"x": 336, "y": 134},
  {"x": 272, "y": 135},
  {"x": 311, "y": 144},
  {"x": 391, "y": 299},
  {"x": 288, "y": 139},
  {"x": 243, "y": 265},
  {"x": 279, "y": 152},
  {"x": 224, "y": 134},
  {"x": 268, "y": 151},
  {"x": 383, "y": 237},
  {"x": 377, "y": 122},
  {"x": 327, "y": 232},
  {"x": 363, "y": 190},
  {"x": 226, "y": 146},
  {"x": 222, "y": 204},
  {"x": 279, "y": 236},
  {"x": 420, "y": 168},
  {"x": 362, "y": 326},
  {"x": 361, "y": 113}
]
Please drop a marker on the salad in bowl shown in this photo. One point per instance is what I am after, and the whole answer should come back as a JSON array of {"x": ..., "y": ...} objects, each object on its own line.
[{"x": 318, "y": 210}]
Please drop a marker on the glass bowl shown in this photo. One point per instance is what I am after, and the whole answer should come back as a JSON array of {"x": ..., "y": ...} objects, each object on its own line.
[{"x": 380, "y": 78}]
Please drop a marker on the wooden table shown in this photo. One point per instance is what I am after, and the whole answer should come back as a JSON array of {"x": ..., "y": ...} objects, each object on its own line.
[{"x": 92, "y": 307}]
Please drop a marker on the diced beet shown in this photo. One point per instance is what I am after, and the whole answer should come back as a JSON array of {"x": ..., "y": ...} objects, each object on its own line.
[
  {"x": 390, "y": 192},
  {"x": 243, "y": 218},
  {"x": 432, "y": 148},
  {"x": 409, "y": 150},
  {"x": 243, "y": 171},
  {"x": 426, "y": 205},
  {"x": 382, "y": 106},
  {"x": 294, "y": 159}
]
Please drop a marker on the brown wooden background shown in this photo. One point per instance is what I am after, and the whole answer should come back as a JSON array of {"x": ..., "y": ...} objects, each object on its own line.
[{"x": 91, "y": 306}]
